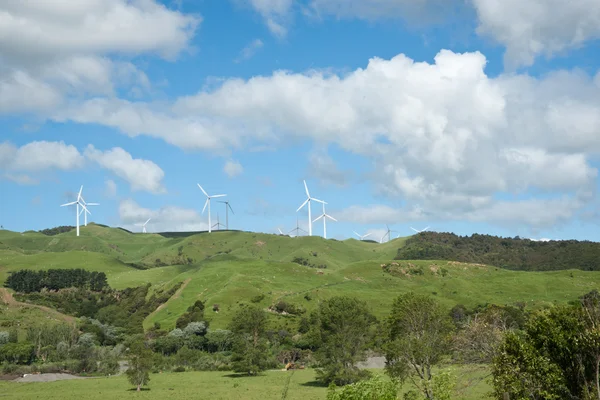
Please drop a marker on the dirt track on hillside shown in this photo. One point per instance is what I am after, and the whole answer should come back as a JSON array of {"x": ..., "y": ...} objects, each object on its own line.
[
  {"x": 7, "y": 298},
  {"x": 176, "y": 295}
]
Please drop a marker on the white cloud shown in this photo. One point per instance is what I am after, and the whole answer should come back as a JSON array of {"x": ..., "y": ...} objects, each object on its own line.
[
  {"x": 39, "y": 156},
  {"x": 110, "y": 189},
  {"x": 21, "y": 179},
  {"x": 538, "y": 27},
  {"x": 250, "y": 50},
  {"x": 51, "y": 51},
  {"x": 276, "y": 14},
  {"x": 233, "y": 168},
  {"x": 139, "y": 173},
  {"x": 443, "y": 135},
  {"x": 165, "y": 219}
]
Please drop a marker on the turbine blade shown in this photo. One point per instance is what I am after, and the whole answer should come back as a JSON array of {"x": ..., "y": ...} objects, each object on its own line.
[
  {"x": 425, "y": 229},
  {"x": 91, "y": 204},
  {"x": 331, "y": 218},
  {"x": 303, "y": 204},
  {"x": 228, "y": 205},
  {"x": 356, "y": 233},
  {"x": 367, "y": 235},
  {"x": 306, "y": 188},
  {"x": 280, "y": 231},
  {"x": 147, "y": 221},
  {"x": 203, "y": 191},
  {"x": 218, "y": 195},
  {"x": 414, "y": 229},
  {"x": 68, "y": 204},
  {"x": 319, "y": 201},
  {"x": 318, "y": 218},
  {"x": 205, "y": 204},
  {"x": 80, "y": 190}
]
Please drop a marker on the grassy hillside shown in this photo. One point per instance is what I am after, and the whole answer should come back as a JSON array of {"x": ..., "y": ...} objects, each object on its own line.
[
  {"x": 227, "y": 268},
  {"x": 511, "y": 253}
]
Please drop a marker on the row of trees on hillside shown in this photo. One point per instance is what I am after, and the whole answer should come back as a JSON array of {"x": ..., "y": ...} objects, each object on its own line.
[
  {"x": 511, "y": 253},
  {"x": 28, "y": 281}
]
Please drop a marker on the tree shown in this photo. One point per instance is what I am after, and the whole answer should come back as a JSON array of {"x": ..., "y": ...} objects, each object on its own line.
[
  {"x": 140, "y": 364},
  {"x": 250, "y": 352},
  {"x": 342, "y": 330},
  {"x": 375, "y": 388},
  {"x": 194, "y": 313},
  {"x": 419, "y": 332}
]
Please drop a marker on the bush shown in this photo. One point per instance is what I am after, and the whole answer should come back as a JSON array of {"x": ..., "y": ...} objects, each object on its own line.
[
  {"x": 258, "y": 298},
  {"x": 17, "y": 353},
  {"x": 375, "y": 388}
]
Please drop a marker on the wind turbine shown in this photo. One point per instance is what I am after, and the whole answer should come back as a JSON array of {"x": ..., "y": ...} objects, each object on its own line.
[
  {"x": 324, "y": 216},
  {"x": 388, "y": 234},
  {"x": 79, "y": 204},
  {"x": 363, "y": 236},
  {"x": 307, "y": 201},
  {"x": 208, "y": 203},
  {"x": 227, "y": 208},
  {"x": 86, "y": 211},
  {"x": 218, "y": 224},
  {"x": 297, "y": 229},
  {"x": 419, "y": 231},
  {"x": 144, "y": 225}
]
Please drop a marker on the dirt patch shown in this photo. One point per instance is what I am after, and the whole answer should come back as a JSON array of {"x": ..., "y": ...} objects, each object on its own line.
[
  {"x": 260, "y": 243},
  {"x": 372, "y": 362},
  {"x": 46, "y": 377},
  {"x": 8, "y": 299},
  {"x": 175, "y": 296}
]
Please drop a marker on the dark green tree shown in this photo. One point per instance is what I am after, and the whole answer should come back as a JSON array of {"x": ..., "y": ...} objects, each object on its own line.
[
  {"x": 342, "y": 329},
  {"x": 419, "y": 336},
  {"x": 250, "y": 350},
  {"x": 194, "y": 313}
]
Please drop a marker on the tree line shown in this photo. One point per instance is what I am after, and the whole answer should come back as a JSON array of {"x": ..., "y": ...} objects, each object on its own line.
[
  {"x": 510, "y": 253},
  {"x": 28, "y": 281}
]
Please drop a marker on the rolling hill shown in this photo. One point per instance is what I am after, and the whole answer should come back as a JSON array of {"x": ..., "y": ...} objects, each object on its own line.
[{"x": 228, "y": 268}]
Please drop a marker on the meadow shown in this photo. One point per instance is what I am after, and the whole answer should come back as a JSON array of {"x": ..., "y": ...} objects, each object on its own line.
[{"x": 271, "y": 385}]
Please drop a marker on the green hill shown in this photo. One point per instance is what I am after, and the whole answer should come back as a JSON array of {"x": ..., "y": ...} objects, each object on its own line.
[
  {"x": 228, "y": 268},
  {"x": 511, "y": 253}
]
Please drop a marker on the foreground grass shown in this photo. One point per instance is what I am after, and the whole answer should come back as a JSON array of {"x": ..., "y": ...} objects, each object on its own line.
[{"x": 210, "y": 385}]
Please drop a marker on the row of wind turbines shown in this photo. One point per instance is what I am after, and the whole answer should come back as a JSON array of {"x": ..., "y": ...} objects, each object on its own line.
[{"x": 82, "y": 207}]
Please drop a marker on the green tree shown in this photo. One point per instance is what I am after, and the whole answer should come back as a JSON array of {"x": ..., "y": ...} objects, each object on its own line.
[
  {"x": 140, "y": 364},
  {"x": 342, "y": 329},
  {"x": 419, "y": 333},
  {"x": 250, "y": 351},
  {"x": 375, "y": 388}
]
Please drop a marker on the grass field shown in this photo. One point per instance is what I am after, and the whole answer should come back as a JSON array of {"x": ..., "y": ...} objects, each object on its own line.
[
  {"x": 211, "y": 385},
  {"x": 227, "y": 268}
]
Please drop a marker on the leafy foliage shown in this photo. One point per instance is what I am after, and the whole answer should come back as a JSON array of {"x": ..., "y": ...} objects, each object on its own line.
[
  {"x": 515, "y": 253},
  {"x": 57, "y": 230},
  {"x": 342, "y": 330},
  {"x": 27, "y": 281},
  {"x": 250, "y": 350},
  {"x": 194, "y": 313},
  {"x": 375, "y": 388},
  {"x": 140, "y": 364}
]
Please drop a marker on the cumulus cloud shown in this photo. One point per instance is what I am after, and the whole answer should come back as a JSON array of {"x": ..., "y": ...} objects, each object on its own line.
[
  {"x": 164, "y": 219},
  {"x": 139, "y": 173},
  {"x": 39, "y": 156},
  {"x": 322, "y": 167},
  {"x": 537, "y": 27},
  {"x": 233, "y": 168},
  {"x": 51, "y": 51},
  {"x": 250, "y": 50},
  {"x": 442, "y": 134},
  {"x": 276, "y": 14}
]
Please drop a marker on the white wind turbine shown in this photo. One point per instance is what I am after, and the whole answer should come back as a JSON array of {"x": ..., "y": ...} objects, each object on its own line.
[
  {"x": 144, "y": 225},
  {"x": 85, "y": 210},
  {"x": 218, "y": 224},
  {"x": 227, "y": 208},
  {"x": 208, "y": 203},
  {"x": 307, "y": 201},
  {"x": 361, "y": 237},
  {"x": 79, "y": 204},
  {"x": 419, "y": 231},
  {"x": 325, "y": 216},
  {"x": 297, "y": 229},
  {"x": 388, "y": 234}
]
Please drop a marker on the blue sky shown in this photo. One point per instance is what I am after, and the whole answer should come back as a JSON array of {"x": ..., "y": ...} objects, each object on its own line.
[{"x": 462, "y": 116}]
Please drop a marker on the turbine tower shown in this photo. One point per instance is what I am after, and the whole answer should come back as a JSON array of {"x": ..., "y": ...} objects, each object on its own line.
[
  {"x": 307, "y": 201},
  {"x": 79, "y": 204},
  {"x": 363, "y": 236},
  {"x": 86, "y": 211},
  {"x": 388, "y": 234},
  {"x": 207, "y": 203},
  {"x": 297, "y": 229},
  {"x": 227, "y": 208},
  {"x": 144, "y": 225},
  {"x": 419, "y": 231},
  {"x": 218, "y": 224},
  {"x": 325, "y": 216}
]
